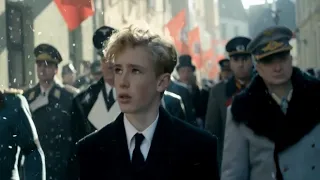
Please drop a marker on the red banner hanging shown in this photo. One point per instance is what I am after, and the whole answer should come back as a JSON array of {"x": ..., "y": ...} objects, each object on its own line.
[
  {"x": 195, "y": 47},
  {"x": 176, "y": 28},
  {"x": 75, "y": 12}
]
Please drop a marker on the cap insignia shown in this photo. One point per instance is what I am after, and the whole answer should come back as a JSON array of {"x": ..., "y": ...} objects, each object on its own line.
[{"x": 272, "y": 46}]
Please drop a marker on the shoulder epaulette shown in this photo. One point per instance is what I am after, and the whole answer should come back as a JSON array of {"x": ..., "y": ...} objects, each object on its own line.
[{"x": 12, "y": 91}]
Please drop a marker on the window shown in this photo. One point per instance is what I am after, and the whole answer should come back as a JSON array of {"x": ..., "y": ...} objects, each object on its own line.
[{"x": 151, "y": 4}]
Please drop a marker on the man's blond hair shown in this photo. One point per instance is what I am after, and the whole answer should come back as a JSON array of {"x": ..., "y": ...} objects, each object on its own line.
[{"x": 162, "y": 52}]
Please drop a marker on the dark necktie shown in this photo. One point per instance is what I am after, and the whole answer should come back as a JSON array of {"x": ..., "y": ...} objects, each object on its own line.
[
  {"x": 110, "y": 100},
  {"x": 137, "y": 156}
]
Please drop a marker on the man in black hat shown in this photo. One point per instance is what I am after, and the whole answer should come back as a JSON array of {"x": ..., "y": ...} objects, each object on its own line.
[
  {"x": 273, "y": 126},
  {"x": 49, "y": 101},
  {"x": 185, "y": 70},
  {"x": 225, "y": 70},
  {"x": 221, "y": 94},
  {"x": 96, "y": 106}
]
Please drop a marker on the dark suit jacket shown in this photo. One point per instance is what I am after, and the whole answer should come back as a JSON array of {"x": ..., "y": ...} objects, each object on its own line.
[{"x": 178, "y": 151}]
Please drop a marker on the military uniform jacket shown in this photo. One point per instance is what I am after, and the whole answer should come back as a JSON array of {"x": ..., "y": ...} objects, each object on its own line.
[
  {"x": 219, "y": 99},
  {"x": 89, "y": 111},
  {"x": 263, "y": 143},
  {"x": 17, "y": 130},
  {"x": 52, "y": 119}
]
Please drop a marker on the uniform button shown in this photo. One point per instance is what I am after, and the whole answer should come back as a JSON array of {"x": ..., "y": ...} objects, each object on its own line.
[
  {"x": 313, "y": 145},
  {"x": 313, "y": 167}
]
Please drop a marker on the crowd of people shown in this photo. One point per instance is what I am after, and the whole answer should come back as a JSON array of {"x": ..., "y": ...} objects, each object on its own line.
[{"x": 126, "y": 117}]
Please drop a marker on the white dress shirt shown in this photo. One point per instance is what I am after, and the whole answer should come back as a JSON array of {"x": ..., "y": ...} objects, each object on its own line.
[
  {"x": 41, "y": 100},
  {"x": 147, "y": 133}
]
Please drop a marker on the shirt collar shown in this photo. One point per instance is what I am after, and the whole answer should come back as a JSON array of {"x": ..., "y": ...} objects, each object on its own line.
[
  {"x": 47, "y": 90},
  {"x": 278, "y": 99},
  {"x": 131, "y": 130}
]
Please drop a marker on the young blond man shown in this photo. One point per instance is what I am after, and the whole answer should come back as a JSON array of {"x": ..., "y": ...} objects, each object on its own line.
[{"x": 145, "y": 142}]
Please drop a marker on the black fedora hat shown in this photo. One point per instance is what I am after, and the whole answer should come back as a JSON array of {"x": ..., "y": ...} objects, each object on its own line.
[{"x": 185, "y": 61}]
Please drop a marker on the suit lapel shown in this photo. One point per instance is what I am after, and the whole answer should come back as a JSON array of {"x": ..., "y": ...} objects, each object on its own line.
[
  {"x": 119, "y": 141},
  {"x": 161, "y": 152}
]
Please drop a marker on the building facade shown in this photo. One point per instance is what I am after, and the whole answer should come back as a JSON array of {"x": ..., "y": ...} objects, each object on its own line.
[
  {"x": 29, "y": 23},
  {"x": 308, "y": 33},
  {"x": 233, "y": 20}
]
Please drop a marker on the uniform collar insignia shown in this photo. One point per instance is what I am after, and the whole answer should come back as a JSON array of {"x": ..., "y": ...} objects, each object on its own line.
[
  {"x": 57, "y": 93},
  {"x": 271, "y": 46}
]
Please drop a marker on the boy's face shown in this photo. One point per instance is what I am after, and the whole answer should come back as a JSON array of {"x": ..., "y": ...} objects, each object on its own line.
[{"x": 138, "y": 89}]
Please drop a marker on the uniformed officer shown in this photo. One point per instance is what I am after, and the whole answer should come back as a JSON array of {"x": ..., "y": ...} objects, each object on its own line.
[
  {"x": 18, "y": 134},
  {"x": 221, "y": 94},
  {"x": 273, "y": 127},
  {"x": 225, "y": 70},
  {"x": 96, "y": 106},
  {"x": 49, "y": 103}
]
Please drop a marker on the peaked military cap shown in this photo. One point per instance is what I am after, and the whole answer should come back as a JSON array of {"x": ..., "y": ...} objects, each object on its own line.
[
  {"x": 238, "y": 45},
  {"x": 68, "y": 69},
  {"x": 46, "y": 52},
  {"x": 271, "y": 41},
  {"x": 101, "y": 36},
  {"x": 224, "y": 64}
]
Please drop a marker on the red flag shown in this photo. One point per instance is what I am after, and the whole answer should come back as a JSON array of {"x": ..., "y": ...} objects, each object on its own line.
[
  {"x": 208, "y": 55},
  {"x": 209, "y": 63},
  {"x": 176, "y": 28},
  {"x": 75, "y": 12},
  {"x": 195, "y": 47}
]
